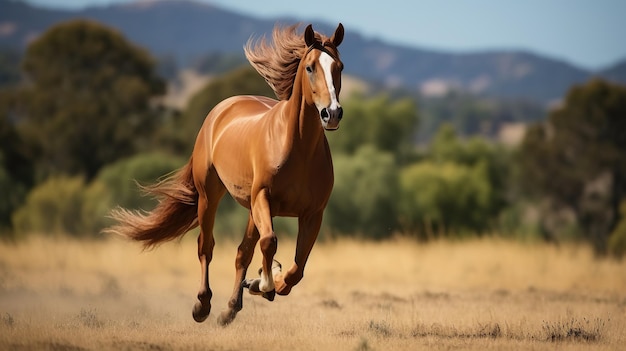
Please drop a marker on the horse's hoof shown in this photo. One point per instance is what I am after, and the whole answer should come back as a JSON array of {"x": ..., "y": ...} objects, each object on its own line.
[
  {"x": 226, "y": 317},
  {"x": 200, "y": 312},
  {"x": 270, "y": 295},
  {"x": 253, "y": 286}
]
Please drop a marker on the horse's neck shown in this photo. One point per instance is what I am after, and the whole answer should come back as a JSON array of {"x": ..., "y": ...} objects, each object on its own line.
[{"x": 304, "y": 128}]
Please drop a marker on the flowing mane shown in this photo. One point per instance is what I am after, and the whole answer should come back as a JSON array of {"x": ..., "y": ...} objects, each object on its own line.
[{"x": 277, "y": 62}]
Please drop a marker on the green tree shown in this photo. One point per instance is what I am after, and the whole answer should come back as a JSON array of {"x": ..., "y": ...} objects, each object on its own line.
[
  {"x": 88, "y": 102},
  {"x": 16, "y": 166},
  {"x": 9, "y": 68},
  {"x": 448, "y": 147},
  {"x": 444, "y": 198},
  {"x": 460, "y": 186},
  {"x": 364, "y": 198},
  {"x": 578, "y": 158},
  {"x": 471, "y": 114},
  {"x": 389, "y": 125}
]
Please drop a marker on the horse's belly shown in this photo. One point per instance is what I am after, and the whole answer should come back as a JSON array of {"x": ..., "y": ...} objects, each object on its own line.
[
  {"x": 236, "y": 183},
  {"x": 240, "y": 195}
]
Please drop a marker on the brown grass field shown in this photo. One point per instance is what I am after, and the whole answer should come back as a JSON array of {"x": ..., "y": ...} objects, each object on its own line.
[{"x": 59, "y": 294}]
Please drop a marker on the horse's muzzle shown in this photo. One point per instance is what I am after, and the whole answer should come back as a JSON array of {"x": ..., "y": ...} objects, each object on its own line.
[{"x": 331, "y": 117}]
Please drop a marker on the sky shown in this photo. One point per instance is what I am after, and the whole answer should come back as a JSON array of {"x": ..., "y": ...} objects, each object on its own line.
[{"x": 590, "y": 34}]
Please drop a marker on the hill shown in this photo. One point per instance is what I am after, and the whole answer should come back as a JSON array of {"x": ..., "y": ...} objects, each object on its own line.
[
  {"x": 187, "y": 30},
  {"x": 616, "y": 73}
]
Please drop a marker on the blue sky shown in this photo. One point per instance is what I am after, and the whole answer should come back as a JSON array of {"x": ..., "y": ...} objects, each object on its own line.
[{"x": 587, "y": 33}]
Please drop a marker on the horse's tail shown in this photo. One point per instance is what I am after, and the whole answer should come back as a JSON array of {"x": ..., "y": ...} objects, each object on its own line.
[{"x": 175, "y": 214}]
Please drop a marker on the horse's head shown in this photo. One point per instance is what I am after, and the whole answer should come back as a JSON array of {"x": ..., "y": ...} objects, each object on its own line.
[{"x": 322, "y": 76}]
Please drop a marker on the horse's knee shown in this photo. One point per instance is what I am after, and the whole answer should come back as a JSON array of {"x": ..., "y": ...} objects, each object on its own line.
[{"x": 269, "y": 244}]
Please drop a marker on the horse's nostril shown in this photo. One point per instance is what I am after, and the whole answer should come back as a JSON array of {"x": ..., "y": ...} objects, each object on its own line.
[
  {"x": 324, "y": 113},
  {"x": 340, "y": 115}
]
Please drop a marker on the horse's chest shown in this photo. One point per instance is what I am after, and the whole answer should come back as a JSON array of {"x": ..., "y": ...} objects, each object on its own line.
[{"x": 295, "y": 191}]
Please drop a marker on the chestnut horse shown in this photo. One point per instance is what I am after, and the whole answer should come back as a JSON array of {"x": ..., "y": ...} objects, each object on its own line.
[{"x": 271, "y": 156}]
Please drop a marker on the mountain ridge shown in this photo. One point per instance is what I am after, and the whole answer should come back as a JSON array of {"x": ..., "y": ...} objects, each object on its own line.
[{"x": 187, "y": 29}]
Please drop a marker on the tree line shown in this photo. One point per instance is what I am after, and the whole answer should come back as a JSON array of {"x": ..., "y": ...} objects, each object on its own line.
[{"x": 85, "y": 121}]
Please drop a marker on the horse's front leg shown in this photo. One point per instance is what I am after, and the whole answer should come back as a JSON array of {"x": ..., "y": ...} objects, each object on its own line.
[
  {"x": 308, "y": 229},
  {"x": 268, "y": 242},
  {"x": 245, "y": 252}
]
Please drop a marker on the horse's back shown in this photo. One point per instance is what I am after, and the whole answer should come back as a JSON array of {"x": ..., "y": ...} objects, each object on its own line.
[
  {"x": 239, "y": 113},
  {"x": 241, "y": 107}
]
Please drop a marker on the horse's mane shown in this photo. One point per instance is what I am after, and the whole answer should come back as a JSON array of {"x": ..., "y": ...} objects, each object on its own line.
[{"x": 278, "y": 61}]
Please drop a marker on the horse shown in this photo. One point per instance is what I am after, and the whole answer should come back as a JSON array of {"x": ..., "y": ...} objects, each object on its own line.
[{"x": 271, "y": 156}]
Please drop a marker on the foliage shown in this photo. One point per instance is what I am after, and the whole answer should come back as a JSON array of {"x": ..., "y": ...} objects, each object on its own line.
[
  {"x": 121, "y": 178},
  {"x": 444, "y": 198},
  {"x": 16, "y": 167},
  {"x": 457, "y": 187},
  {"x": 54, "y": 207},
  {"x": 578, "y": 158},
  {"x": 64, "y": 205},
  {"x": 73, "y": 141},
  {"x": 13, "y": 194},
  {"x": 70, "y": 205},
  {"x": 364, "y": 196},
  {"x": 389, "y": 125},
  {"x": 474, "y": 115},
  {"x": 88, "y": 102},
  {"x": 9, "y": 68},
  {"x": 448, "y": 147}
]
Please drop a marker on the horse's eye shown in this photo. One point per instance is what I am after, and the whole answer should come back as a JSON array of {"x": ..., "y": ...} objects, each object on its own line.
[{"x": 309, "y": 69}]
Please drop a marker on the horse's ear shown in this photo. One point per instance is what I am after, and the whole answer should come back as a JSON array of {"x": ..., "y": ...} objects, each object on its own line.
[
  {"x": 337, "y": 38},
  {"x": 309, "y": 35}
]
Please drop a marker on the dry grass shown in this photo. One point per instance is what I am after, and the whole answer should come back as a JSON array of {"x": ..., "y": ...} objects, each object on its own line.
[{"x": 397, "y": 295}]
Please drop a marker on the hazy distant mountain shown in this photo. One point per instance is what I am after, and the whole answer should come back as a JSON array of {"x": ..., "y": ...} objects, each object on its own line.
[
  {"x": 187, "y": 30},
  {"x": 616, "y": 73}
]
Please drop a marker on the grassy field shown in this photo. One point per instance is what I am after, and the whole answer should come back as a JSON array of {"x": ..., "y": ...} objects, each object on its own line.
[{"x": 58, "y": 294}]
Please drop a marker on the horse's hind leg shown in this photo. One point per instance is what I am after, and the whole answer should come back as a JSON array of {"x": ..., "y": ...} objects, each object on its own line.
[
  {"x": 208, "y": 201},
  {"x": 244, "y": 257}
]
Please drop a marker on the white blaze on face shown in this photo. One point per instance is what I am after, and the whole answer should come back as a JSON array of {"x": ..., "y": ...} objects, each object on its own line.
[{"x": 326, "y": 62}]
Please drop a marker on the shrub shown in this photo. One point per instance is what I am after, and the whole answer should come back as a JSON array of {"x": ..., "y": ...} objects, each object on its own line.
[
  {"x": 13, "y": 194},
  {"x": 444, "y": 198},
  {"x": 120, "y": 178},
  {"x": 68, "y": 205},
  {"x": 364, "y": 196},
  {"x": 53, "y": 207}
]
